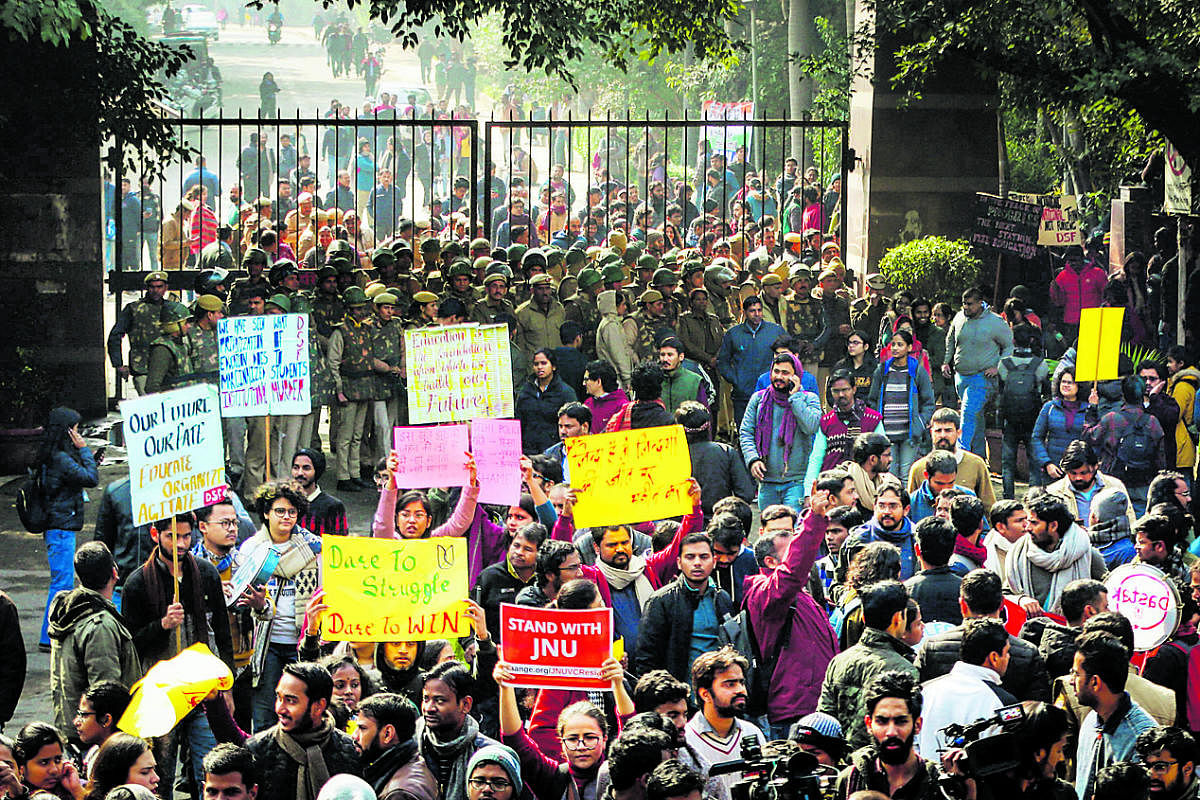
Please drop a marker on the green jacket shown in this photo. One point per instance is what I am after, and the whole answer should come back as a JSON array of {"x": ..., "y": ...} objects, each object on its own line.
[
  {"x": 202, "y": 353},
  {"x": 88, "y": 642},
  {"x": 170, "y": 365},
  {"x": 679, "y": 386},
  {"x": 842, "y": 693}
]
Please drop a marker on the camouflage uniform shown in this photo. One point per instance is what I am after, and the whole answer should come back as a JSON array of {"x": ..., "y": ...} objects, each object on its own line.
[
  {"x": 804, "y": 318},
  {"x": 139, "y": 320},
  {"x": 389, "y": 406},
  {"x": 328, "y": 311},
  {"x": 582, "y": 309},
  {"x": 650, "y": 331},
  {"x": 350, "y": 349},
  {"x": 178, "y": 372},
  {"x": 237, "y": 293}
]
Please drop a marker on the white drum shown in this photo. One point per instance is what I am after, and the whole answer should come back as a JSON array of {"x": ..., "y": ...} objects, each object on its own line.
[{"x": 1143, "y": 595}]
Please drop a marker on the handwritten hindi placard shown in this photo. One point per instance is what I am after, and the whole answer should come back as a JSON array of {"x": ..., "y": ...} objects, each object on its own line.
[
  {"x": 263, "y": 363},
  {"x": 630, "y": 476},
  {"x": 1006, "y": 226},
  {"x": 394, "y": 590},
  {"x": 458, "y": 373},
  {"x": 176, "y": 453},
  {"x": 496, "y": 445},
  {"x": 431, "y": 455},
  {"x": 548, "y": 648}
]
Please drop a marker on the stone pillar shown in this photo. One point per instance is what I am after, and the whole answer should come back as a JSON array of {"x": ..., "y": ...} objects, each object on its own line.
[
  {"x": 918, "y": 165},
  {"x": 51, "y": 273}
]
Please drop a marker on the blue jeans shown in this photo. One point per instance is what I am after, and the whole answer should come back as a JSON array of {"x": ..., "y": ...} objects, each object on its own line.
[
  {"x": 974, "y": 391},
  {"x": 1138, "y": 497},
  {"x": 278, "y": 656},
  {"x": 788, "y": 493},
  {"x": 904, "y": 453},
  {"x": 60, "y": 552},
  {"x": 1016, "y": 433}
]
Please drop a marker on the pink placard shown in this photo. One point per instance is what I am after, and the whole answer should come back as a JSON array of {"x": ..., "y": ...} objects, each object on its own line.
[
  {"x": 432, "y": 455},
  {"x": 496, "y": 444}
]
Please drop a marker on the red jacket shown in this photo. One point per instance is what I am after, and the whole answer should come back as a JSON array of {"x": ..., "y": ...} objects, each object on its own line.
[{"x": 1075, "y": 291}]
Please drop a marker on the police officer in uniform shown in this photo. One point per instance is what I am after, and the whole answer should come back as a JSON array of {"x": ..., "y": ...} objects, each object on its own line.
[
  {"x": 459, "y": 285},
  {"x": 652, "y": 324},
  {"x": 582, "y": 309},
  {"x": 496, "y": 301},
  {"x": 254, "y": 261},
  {"x": 539, "y": 317},
  {"x": 389, "y": 408},
  {"x": 140, "y": 321},
  {"x": 666, "y": 283},
  {"x": 327, "y": 308},
  {"x": 351, "y": 361},
  {"x": 168, "y": 365}
]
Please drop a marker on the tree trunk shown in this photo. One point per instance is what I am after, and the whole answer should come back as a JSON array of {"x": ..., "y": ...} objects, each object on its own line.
[{"x": 799, "y": 35}]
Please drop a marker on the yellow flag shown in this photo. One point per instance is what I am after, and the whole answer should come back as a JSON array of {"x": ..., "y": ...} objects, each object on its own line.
[
  {"x": 171, "y": 689},
  {"x": 1099, "y": 347}
]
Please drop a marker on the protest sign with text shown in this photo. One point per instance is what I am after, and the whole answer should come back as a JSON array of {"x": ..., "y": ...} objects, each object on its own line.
[
  {"x": 1061, "y": 219},
  {"x": 263, "y": 363},
  {"x": 550, "y": 648},
  {"x": 176, "y": 453},
  {"x": 431, "y": 455},
  {"x": 1006, "y": 226},
  {"x": 394, "y": 590},
  {"x": 496, "y": 445},
  {"x": 458, "y": 373},
  {"x": 630, "y": 476}
]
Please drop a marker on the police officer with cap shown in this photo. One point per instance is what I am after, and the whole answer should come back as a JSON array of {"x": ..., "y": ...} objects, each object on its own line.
[
  {"x": 581, "y": 308},
  {"x": 352, "y": 364},
  {"x": 496, "y": 301},
  {"x": 459, "y": 278},
  {"x": 140, "y": 321},
  {"x": 168, "y": 364},
  {"x": 388, "y": 409},
  {"x": 667, "y": 282},
  {"x": 539, "y": 317}
]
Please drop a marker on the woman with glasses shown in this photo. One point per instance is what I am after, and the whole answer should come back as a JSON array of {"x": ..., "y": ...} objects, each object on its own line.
[
  {"x": 859, "y": 363},
  {"x": 296, "y": 576}
]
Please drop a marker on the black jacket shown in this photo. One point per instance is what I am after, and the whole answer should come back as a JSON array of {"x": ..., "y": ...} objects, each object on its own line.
[
  {"x": 1055, "y": 642},
  {"x": 721, "y": 472},
  {"x": 538, "y": 412},
  {"x": 1025, "y": 677},
  {"x": 12, "y": 662},
  {"x": 665, "y": 634},
  {"x": 936, "y": 592},
  {"x": 278, "y": 772},
  {"x": 153, "y": 642},
  {"x": 494, "y": 586}
]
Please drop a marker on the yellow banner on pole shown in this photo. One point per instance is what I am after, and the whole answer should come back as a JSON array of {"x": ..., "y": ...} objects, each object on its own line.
[
  {"x": 394, "y": 590},
  {"x": 1099, "y": 347},
  {"x": 171, "y": 689},
  {"x": 630, "y": 476}
]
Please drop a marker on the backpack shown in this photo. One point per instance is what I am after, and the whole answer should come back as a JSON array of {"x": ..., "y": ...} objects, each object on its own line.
[
  {"x": 32, "y": 507},
  {"x": 1135, "y": 459},
  {"x": 1021, "y": 395}
]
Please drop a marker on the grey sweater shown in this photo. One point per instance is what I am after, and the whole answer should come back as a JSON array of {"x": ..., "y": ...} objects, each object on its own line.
[{"x": 974, "y": 344}]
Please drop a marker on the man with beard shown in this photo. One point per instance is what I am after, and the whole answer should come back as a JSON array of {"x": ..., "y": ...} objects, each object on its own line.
[
  {"x": 889, "y": 764},
  {"x": 971, "y": 690},
  {"x": 1082, "y": 482},
  {"x": 499, "y": 583},
  {"x": 746, "y": 353},
  {"x": 303, "y": 750},
  {"x": 1169, "y": 755},
  {"x": 776, "y": 434},
  {"x": 326, "y": 513},
  {"x": 700, "y": 331},
  {"x": 839, "y": 427},
  {"x": 447, "y": 735},
  {"x": 890, "y": 524},
  {"x": 1055, "y": 552},
  {"x": 944, "y": 430},
  {"x": 715, "y": 732},
  {"x": 1110, "y": 730},
  {"x": 880, "y": 649},
  {"x": 539, "y": 317},
  {"x": 869, "y": 464},
  {"x": 681, "y": 621},
  {"x": 941, "y": 473},
  {"x": 384, "y": 734}
]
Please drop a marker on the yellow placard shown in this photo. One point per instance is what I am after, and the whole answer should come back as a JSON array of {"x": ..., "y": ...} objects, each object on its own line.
[
  {"x": 630, "y": 476},
  {"x": 1099, "y": 347},
  {"x": 394, "y": 590},
  {"x": 171, "y": 689}
]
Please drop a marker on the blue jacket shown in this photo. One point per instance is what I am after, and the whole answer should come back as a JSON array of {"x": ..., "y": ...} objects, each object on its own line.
[
  {"x": 924, "y": 503},
  {"x": 746, "y": 354},
  {"x": 1051, "y": 434},
  {"x": 869, "y": 532},
  {"x": 920, "y": 395},
  {"x": 64, "y": 484},
  {"x": 807, "y": 410},
  {"x": 1119, "y": 733}
]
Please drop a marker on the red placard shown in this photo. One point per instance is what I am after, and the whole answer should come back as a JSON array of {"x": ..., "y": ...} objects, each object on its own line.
[{"x": 549, "y": 648}]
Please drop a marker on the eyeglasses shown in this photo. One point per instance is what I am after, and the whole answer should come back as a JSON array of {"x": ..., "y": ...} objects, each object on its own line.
[
  {"x": 84, "y": 714},
  {"x": 495, "y": 784},
  {"x": 571, "y": 568},
  {"x": 1160, "y": 767},
  {"x": 586, "y": 742},
  {"x": 284, "y": 512},
  {"x": 413, "y": 515},
  {"x": 227, "y": 524}
]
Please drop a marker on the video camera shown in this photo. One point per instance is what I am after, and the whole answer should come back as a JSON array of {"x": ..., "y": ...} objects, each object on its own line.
[
  {"x": 988, "y": 755},
  {"x": 788, "y": 773}
]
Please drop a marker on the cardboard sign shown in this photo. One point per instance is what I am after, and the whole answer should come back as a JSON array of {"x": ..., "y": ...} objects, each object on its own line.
[
  {"x": 1143, "y": 595},
  {"x": 1061, "y": 219},
  {"x": 176, "y": 453},
  {"x": 263, "y": 362},
  {"x": 496, "y": 445},
  {"x": 458, "y": 373},
  {"x": 1180, "y": 192},
  {"x": 394, "y": 590},
  {"x": 630, "y": 476},
  {"x": 547, "y": 648},
  {"x": 1006, "y": 226},
  {"x": 171, "y": 689},
  {"x": 1099, "y": 348},
  {"x": 432, "y": 455}
]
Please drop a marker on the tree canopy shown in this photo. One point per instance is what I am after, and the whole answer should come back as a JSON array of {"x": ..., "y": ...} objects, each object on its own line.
[{"x": 1145, "y": 54}]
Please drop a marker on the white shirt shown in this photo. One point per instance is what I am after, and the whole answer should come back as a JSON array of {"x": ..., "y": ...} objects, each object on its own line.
[
  {"x": 701, "y": 737},
  {"x": 961, "y": 696}
]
